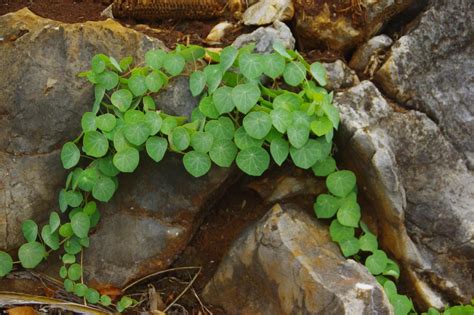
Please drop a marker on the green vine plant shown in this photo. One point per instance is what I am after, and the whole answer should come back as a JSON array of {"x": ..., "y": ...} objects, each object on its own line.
[{"x": 253, "y": 108}]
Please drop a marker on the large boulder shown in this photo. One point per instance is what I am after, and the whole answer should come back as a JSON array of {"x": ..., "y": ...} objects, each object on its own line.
[
  {"x": 342, "y": 25},
  {"x": 431, "y": 69},
  {"x": 287, "y": 264},
  {"x": 421, "y": 192}
]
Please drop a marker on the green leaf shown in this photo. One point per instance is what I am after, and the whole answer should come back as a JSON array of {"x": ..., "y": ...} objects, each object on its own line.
[
  {"x": 6, "y": 264},
  {"x": 105, "y": 300},
  {"x": 137, "y": 133},
  {"x": 222, "y": 98},
  {"x": 156, "y": 148},
  {"x": 98, "y": 63},
  {"x": 154, "y": 58},
  {"x": 350, "y": 247},
  {"x": 80, "y": 289},
  {"x": 108, "y": 79},
  {"x": 368, "y": 242},
  {"x": 122, "y": 99},
  {"x": 106, "y": 122},
  {"x": 65, "y": 230},
  {"x": 49, "y": 237},
  {"x": 196, "y": 163},
  {"x": 251, "y": 65},
  {"x": 30, "y": 230},
  {"x": 115, "y": 64},
  {"x": 92, "y": 296},
  {"x": 279, "y": 149},
  {"x": 332, "y": 113},
  {"x": 104, "y": 189},
  {"x": 169, "y": 123},
  {"x": 63, "y": 272},
  {"x": 326, "y": 206},
  {"x": 74, "y": 272},
  {"x": 245, "y": 96},
  {"x": 126, "y": 160},
  {"x": 95, "y": 144},
  {"x": 298, "y": 135},
  {"x": 137, "y": 84},
  {"x": 208, "y": 108},
  {"x": 377, "y": 262},
  {"x": 90, "y": 208},
  {"x": 153, "y": 81},
  {"x": 197, "y": 82},
  {"x": 31, "y": 254},
  {"x": 88, "y": 178},
  {"x": 154, "y": 121},
  {"x": 214, "y": 76},
  {"x": 288, "y": 101},
  {"x": 54, "y": 221},
  {"x": 321, "y": 126},
  {"x": 70, "y": 155},
  {"x": 228, "y": 56},
  {"x": 81, "y": 224},
  {"x": 99, "y": 93},
  {"x": 324, "y": 167},
  {"x": 202, "y": 141},
  {"x": 319, "y": 73},
  {"x": 174, "y": 64},
  {"x": 73, "y": 198},
  {"x": 126, "y": 62},
  {"x": 88, "y": 122},
  {"x": 392, "y": 269},
  {"x": 281, "y": 119},
  {"x": 148, "y": 103},
  {"x": 125, "y": 302},
  {"x": 107, "y": 167},
  {"x": 257, "y": 124},
  {"x": 253, "y": 161},
  {"x": 68, "y": 285},
  {"x": 180, "y": 139},
  {"x": 300, "y": 118},
  {"x": 339, "y": 232},
  {"x": 243, "y": 141},
  {"x": 341, "y": 183},
  {"x": 280, "y": 49},
  {"x": 349, "y": 213},
  {"x": 223, "y": 128},
  {"x": 223, "y": 152},
  {"x": 310, "y": 153},
  {"x": 402, "y": 305},
  {"x": 274, "y": 65},
  {"x": 295, "y": 73},
  {"x": 62, "y": 200}
]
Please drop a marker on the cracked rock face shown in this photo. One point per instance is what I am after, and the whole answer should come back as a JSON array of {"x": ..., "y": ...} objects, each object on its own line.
[
  {"x": 268, "y": 11},
  {"x": 431, "y": 69},
  {"x": 287, "y": 264},
  {"x": 421, "y": 192}
]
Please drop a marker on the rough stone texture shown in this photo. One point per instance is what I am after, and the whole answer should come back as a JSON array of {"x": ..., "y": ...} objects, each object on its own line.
[
  {"x": 432, "y": 69},
  {"x": 264, "y": 37},
  {"x": 365, "y": 59},
  {"x": 287, "y": 264},
  {"x": 340, "y": 76},
  {"x": 341, "y": 25},
  {"x": 268, "y": 11},
  {"x": 41, "y": 102},
  {"x": 420, "y": 189}
]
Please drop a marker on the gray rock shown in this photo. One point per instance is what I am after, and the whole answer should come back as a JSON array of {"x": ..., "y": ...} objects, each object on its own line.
[
  {"x": 339, "y": 75},
  {"x": 366, "y": 58},
  {"x": 268, "y": 11},
  {"x": 41, "y": 102},
  {"x": 420, "y": 190},
  {"x": 431, "y": 69},
  {"x": 287, "y": 264},
  {"x": 264, "y": 37}
]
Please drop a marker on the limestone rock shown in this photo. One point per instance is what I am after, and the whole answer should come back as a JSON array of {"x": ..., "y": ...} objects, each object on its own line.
[
  {"x": 421, "y": 192},
  {"x": 366, "y": 59},
  {"x": 341, "y": 25},
  {"x": 287, "y": 264},
  {"x": 340, "y": 76},
  {"x": 432, "y": 69},
  {"x": 268, "y": 11},
  {"x": 264, "y": 37}
]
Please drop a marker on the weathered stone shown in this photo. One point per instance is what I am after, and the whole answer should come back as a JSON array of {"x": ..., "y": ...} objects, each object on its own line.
[
  {"x": 341, "y": 25},
  {"x": 366, "y": 59},
  {"x": 287, "y": 264},
  {"x": 268, "y": 11},
  {"x": 41, "y": 102},
  {"x": 420, "y": 190},
  {"x": 432, "y": 69},
  {"x": 218, "y": 32},
  {"x": 339, "y": 75},
  {"x": 264, "y": 37}
]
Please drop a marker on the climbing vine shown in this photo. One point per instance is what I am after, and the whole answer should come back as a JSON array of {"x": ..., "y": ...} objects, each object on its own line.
[{"x": 253, "y": 108}]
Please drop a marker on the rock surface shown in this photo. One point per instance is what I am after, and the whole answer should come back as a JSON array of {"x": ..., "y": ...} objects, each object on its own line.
[
  {"x": 341, "y": 25},
  {"x": 339, "y": 76},
  {"x": 286, "y": 264},
  {"x": 420, "y": 189},
  {"x": 432, "y": 69},
  {"x": 268, "y": 11},
  {"x": 365, "y": 59},
  {"x": 41, "y": 102},
  {"x": 264, "y": 37}
]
